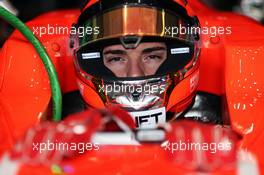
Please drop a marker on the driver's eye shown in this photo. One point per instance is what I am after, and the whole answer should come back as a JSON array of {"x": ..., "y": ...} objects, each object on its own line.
[
  {"x": 153, "y": 57},
  {"x": 115, "y": 59}
]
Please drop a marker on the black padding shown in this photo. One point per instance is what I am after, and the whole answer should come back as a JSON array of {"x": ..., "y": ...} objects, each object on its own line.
[
  {"x": 176, "y": 62},
  {"x": 207, "y": 108},
  {"x": 72, "y": 103}
]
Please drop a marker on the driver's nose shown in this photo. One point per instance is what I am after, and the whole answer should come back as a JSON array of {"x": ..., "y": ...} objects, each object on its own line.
[{"x": 135, "y": 68}]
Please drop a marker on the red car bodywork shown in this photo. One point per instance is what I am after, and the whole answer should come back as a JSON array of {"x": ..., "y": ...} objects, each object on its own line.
[{"x": 231, "y": 67}]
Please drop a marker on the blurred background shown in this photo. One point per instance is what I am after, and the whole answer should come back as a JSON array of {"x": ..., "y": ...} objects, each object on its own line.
[{"x": 28, "y": 9}]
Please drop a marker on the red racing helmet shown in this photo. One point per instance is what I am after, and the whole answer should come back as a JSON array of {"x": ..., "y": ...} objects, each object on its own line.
[{"x": 130, "y": 23}]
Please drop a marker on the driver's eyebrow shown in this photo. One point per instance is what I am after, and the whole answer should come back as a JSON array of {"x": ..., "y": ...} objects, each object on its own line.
[
  {"x": 115, "y": 52},
  {"x": 152, "y": 49}
]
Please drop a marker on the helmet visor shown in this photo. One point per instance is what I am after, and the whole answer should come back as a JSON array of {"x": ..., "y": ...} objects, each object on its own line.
[{"x": 139, "y": 21}]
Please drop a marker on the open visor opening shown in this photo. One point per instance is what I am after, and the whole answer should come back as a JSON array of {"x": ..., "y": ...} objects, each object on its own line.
[{"x": 91, "y": 58}]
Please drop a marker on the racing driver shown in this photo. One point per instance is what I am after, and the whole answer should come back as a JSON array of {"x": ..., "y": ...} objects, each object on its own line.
[{"x": 137, "y": 62}]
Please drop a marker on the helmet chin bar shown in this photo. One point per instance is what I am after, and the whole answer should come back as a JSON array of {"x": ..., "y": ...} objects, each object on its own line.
[
  {"x": 138, "y": 95},
  {"x": 145, "y": 100}
]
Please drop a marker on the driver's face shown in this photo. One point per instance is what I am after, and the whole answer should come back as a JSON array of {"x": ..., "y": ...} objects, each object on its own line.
[{"x": 141, "y": 61}]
